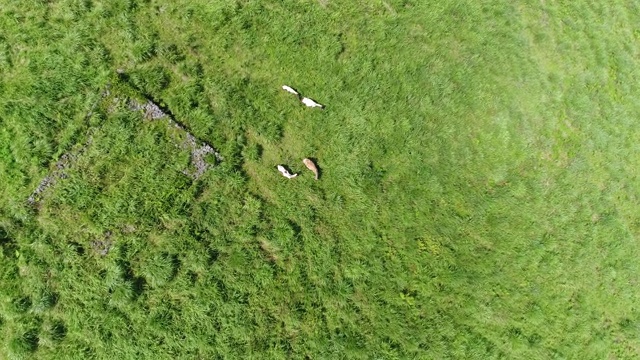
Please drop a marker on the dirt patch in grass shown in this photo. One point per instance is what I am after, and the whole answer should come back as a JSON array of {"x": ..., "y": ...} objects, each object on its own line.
[{"x": 199, "y": 149}]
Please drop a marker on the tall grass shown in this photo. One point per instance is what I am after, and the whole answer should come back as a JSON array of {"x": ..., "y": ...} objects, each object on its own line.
[{"x": 478, "y": 196}]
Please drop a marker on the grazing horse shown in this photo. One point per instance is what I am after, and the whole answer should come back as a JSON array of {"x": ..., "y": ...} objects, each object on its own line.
[
  {"x": 311, "y": 103},
  {"x": 311, "y": 166},
  {"x": 289, "y": 89},
  {"x": 286, "y": 173}
]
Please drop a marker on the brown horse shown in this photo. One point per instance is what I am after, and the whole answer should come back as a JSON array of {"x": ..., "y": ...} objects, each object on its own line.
[{"x": 311, "y": 166}]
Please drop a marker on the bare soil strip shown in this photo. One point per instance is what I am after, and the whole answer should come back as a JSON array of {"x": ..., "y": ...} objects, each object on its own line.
[{"x": 199, "y": 149}]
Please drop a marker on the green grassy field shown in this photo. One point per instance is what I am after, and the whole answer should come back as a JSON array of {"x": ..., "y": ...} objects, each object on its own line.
[{"x": 478, "y": 196}]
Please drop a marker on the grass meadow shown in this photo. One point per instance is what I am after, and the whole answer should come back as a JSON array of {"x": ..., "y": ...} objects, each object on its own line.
[{"x": 479, "y": 194}]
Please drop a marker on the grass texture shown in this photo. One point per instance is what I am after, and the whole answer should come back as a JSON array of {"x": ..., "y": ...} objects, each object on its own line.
[{"x": 478, "y": 196}]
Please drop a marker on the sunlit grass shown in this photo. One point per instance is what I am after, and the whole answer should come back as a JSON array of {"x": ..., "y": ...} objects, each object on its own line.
[{"x": 478, "y": 196}]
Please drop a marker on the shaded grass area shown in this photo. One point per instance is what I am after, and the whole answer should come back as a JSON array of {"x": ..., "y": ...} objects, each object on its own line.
[{"x": 478, "y": 197}]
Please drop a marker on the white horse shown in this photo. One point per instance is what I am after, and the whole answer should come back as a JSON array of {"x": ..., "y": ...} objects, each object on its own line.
[
  {"x": 311, "y": 103},
  {"x": 286, "y": 173},
  {"x": 289, "y": 89}
]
